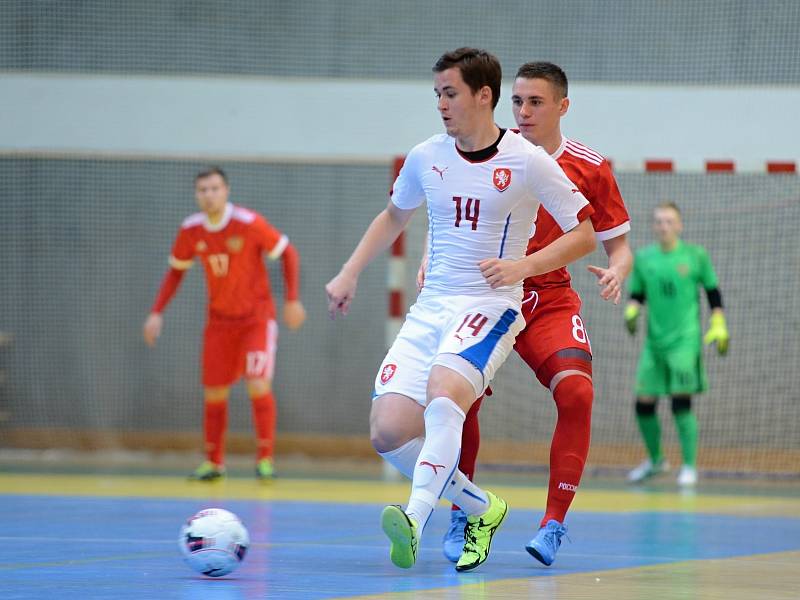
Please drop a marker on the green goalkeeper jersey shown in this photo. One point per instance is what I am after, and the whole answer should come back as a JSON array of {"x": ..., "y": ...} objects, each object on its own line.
[{"x": 669, "y": 282}]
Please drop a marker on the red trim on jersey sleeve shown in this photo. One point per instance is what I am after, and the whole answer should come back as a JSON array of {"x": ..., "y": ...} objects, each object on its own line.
[
  {"x": 610, "y": 212},
  {"x": 169, "y": 285},
  {"x": 291, "y": 272}
]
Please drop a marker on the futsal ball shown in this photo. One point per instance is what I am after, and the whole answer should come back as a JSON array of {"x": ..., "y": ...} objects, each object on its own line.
[{"x": 214, "y": 542}]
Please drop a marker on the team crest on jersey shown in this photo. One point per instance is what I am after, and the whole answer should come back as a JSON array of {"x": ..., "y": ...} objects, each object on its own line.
[
  {"x": 683, "y": 269},
  {"x": 501, "y": 179},
  {"x": 200, "y": 247},
  {"x": 235, "y": 244},
  {"x": 387, "y": 373}
]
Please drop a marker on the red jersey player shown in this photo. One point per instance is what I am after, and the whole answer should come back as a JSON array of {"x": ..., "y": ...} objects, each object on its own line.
[
  {"x": 241, "y": 334},
  {"x": 554, "y": 343}
]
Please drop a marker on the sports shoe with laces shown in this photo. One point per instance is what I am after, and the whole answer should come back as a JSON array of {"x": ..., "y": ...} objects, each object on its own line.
[
  {"x": 687, "y": 476},
  {"x": 207, "y": 471},
  {"x": 545, "y": 544},
  {"x": 647, "y": 469},
  {"x": 479, "y": 532},
  {"x": 402, "y": 532},
  {"x": 453, "y": 540},
  {"x": 265, "y": 469}
]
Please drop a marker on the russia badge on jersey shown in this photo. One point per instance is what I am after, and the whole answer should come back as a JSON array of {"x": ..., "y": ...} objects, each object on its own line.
[{"x": 502, "y": 179}]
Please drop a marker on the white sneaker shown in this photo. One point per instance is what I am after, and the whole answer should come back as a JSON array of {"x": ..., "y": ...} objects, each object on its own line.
[
  {"x": 687, "y": 476},
  {"x": 647, "y": 469}
]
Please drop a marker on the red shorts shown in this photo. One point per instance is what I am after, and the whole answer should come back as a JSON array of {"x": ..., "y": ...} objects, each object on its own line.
[
  {"x": 553, "y": 322},
  {"x": 231, "y": 349}
]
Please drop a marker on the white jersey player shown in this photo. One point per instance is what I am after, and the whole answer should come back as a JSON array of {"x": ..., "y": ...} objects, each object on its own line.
[{"x": 482, "y": 189}]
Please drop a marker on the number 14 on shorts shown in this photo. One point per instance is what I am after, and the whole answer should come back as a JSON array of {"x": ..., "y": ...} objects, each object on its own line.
[{"x": 470, "y": 326}]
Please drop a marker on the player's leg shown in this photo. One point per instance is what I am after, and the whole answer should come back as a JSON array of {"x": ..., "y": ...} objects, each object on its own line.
[
  {"x": 215, "y": 422},
  {"x": 556, "y": 346},
  {"x": 220, "y": 371},
  {"x": 476, "y": 345},
  {"x": 453, "y": 540},
  {"x": 686, "y": 424},
  {"x": 397, "y": 432},
  {"x": 652, "y": 379},
  {"x": 568, "y": 374},
  {"x": 260, "y": 348},
  {"x": 687, "y": 376}
]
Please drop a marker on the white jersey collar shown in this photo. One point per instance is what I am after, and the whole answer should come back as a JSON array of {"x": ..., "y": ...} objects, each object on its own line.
[
  {"x": 560, "y": 150},
  {"x": 226, "y": 218}
]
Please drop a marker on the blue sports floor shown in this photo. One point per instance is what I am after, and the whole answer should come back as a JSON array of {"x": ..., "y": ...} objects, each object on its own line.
[{"x": 76, "y": 536}]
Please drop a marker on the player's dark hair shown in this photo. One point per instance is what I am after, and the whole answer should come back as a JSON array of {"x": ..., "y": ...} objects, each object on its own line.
[
  {"x": 478, "y": 68},
  {"x": 547, "y": 71},
  {"x": 672, "y": 205},
  {"x": 209, "y": 171}
]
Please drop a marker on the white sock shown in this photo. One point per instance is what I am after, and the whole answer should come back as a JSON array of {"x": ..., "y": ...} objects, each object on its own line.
[
  {"x": 405, "y": 457},
  {"x": 460, "y": 490},
  {"x": 466, "y": 495},
  {"x": 438, "y": 459}
]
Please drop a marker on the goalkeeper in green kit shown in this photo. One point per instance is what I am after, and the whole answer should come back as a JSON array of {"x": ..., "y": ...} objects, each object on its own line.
[{"x": 665, "y": 279}]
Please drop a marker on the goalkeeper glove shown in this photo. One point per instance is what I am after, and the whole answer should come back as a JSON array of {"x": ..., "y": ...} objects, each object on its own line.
[
  {"x": 717, "y": 333},
  {"x": 632, "y": 311}
]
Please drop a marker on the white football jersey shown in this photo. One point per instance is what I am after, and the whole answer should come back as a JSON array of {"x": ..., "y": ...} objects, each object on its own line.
[{"x": 480, "y": 210}]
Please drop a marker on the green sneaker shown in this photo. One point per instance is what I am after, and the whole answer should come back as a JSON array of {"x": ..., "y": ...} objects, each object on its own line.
[
  {"x": 479, "y": 532},
  {"x": 265, "y": 469},
  {"x": 402, "y": 532},
  {"x": 208, "y": 471}
]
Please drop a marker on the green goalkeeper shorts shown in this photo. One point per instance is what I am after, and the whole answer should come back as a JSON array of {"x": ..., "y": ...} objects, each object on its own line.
[{"x": 672, "y": 372}]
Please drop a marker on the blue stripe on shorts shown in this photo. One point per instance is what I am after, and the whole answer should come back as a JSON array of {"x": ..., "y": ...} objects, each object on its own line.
[{"x": 479, "y": 354}]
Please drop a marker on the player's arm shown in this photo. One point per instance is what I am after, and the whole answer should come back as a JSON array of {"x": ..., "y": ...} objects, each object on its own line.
[
  {"x": 612, "y": 223},
  {"x": 718, "y": 329},
  {"x": 179, "y": 262},
  {"x": 294, "y": 313},
  {"x": 568, "y": 207},
  {"x": 620, "y": 262},
  {"x": 381, "y": 233}
]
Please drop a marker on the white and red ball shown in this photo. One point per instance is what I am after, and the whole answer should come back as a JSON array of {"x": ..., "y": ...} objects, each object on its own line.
[{"x": 214, "y": 542}]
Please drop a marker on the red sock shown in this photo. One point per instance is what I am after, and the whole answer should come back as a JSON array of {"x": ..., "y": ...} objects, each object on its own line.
[
  {"x": 264, "y": 420},
  {"x": 470, "y": 442},
  {"x": 214, "y": 424},
  {"x": 570, "y": 446}
]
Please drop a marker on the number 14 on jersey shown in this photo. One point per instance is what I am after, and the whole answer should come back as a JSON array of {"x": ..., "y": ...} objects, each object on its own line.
[{"x": 469, "y": 209}]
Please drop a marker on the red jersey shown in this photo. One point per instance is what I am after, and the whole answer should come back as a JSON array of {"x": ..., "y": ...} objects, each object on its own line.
[
  {"x": 231, "y": 252},
  {"x": 592, "y": 174}
]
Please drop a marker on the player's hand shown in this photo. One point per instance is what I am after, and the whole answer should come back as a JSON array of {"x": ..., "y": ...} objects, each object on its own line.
[
  {"x": 294, "y": 315},
  {"x": 499, "y": 272},
  {"x": 341, "y": 290},
  {"x": 718, "y": 333},
  {"x": 610, "y": 283},
  {"x": 152, "y": 328},
  {"x": 631, "y": 317},
  {"x": 423, "y": 266}
]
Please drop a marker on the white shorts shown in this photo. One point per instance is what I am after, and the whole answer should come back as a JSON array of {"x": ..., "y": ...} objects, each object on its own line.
[{"x": 472, "y": 335}]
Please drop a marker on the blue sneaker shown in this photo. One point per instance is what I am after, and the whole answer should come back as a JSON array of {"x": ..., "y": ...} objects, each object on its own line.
[
  {"x": 453, "y": 540},
  {"x": 547, "y": 542}
]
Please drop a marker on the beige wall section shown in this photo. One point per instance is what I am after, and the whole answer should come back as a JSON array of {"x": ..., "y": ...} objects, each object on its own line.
[{"x": 372, "y": 120}]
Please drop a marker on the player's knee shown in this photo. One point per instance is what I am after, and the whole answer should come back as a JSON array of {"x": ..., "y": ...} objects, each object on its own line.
[
  {"x": 454, "y": 377},
  {"x": 259, "y": 387},
  {"x": 393, "y": 422},
  {"x": 645, "y": 406},
  {"x": 681, "y": 404},
  {"x": 216, "y": 393},
  {"x": 573, "y": 393}
]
